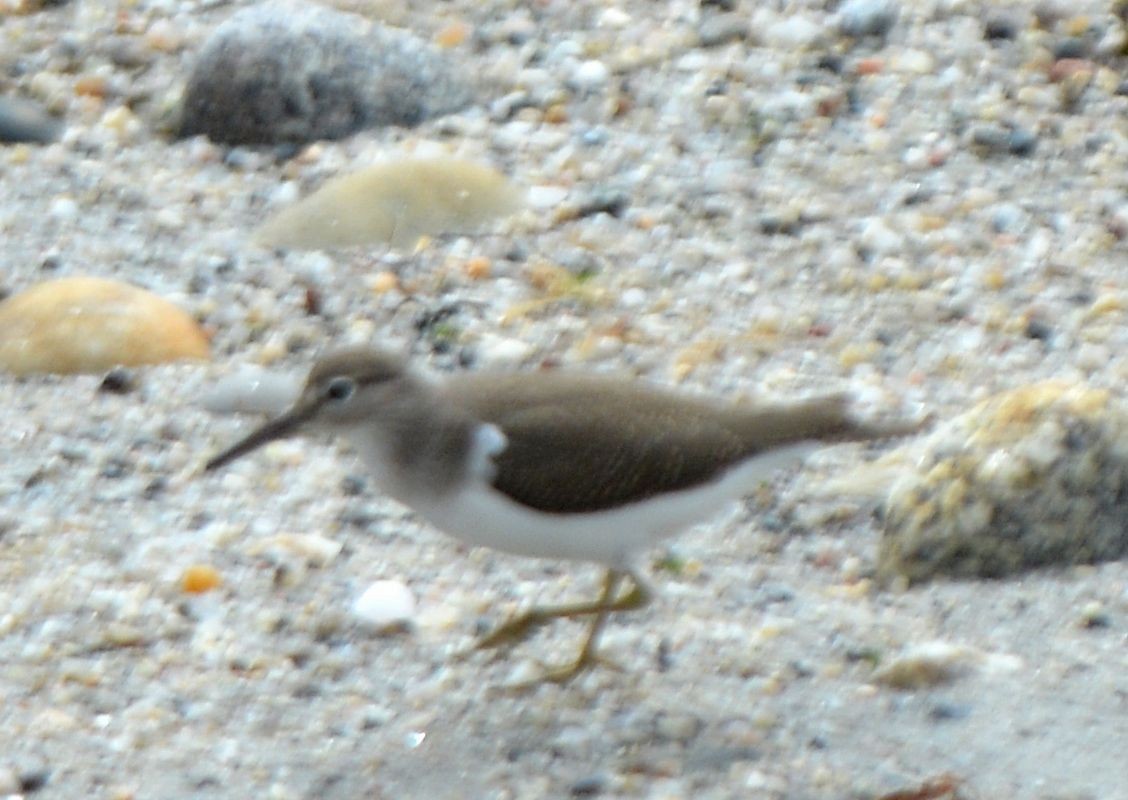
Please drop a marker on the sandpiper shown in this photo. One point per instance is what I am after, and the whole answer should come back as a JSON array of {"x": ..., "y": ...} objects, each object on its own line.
[{"x": 556, "y": 464}]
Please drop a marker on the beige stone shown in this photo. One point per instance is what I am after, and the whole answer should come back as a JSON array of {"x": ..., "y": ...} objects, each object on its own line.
[
  {"x": 84, "y": 324},
  {"x": 394, "y": 203}
]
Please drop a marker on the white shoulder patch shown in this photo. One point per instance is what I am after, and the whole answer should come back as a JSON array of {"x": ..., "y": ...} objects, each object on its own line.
[{"x": 489, "y": 441}]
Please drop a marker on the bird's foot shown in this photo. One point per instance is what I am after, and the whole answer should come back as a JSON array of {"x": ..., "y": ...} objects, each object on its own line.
[
  {"x": 565, "y": 673},
  {"x": 512, "y": 632}
]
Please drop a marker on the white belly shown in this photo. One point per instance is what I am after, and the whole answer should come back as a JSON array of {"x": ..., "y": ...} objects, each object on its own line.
[{"x": 482, "y": 516}]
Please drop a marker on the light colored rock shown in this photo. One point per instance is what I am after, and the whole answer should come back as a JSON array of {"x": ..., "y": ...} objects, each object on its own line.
[
  {"x": 1031, "y": 477},
  {"x": 394, "y": 203},
  {"x": 83, "y": 324}
]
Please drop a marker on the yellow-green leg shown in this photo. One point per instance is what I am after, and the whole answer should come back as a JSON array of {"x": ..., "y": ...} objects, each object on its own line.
[{"x": 521, "y": 627}]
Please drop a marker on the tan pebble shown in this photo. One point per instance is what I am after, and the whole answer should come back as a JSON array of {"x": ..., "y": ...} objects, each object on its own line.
[
  {"x": 854, "y": 354},
  {"x": 994, "y": 279},
  {"x": 90, "y": 86},
  {"x": 478, "y": 268},
  {"x": 928, "y": 664},
  {"x": 453, "y": 34},
  {"x": 316, "y": 550},
  {"x": 556, "y": 114},
  {"x": 1106, "y": 302},
  {"x": 1077, "y": 26},
  {"x": 383, "y": 282},
  {"x": 200, "y": 578},
  {"x": 84, "y": 325},
  {"x": 118, "y": 634},
  {"x": 877, "y": 282},
  {"x": 121, "y": 121}
]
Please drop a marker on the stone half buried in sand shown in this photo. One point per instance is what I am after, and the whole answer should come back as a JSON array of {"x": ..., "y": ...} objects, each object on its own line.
[
  {"x": 394, "y": 204},
  {"x": 1034, "y": 477},
  {"x": 82, "y": 324}
]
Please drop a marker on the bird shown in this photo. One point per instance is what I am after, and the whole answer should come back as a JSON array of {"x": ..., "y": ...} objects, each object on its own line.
[{"x": 558, "y": 464}]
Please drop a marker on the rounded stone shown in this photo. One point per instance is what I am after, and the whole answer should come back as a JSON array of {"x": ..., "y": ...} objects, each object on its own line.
[
  {"x": 285, "y": 71},
  {"x": 84, "y": 325},
  {"x": 1030, "y": 478}
]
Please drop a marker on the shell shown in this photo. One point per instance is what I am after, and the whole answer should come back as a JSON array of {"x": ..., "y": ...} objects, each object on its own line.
[{"x": 85, "y": 325}]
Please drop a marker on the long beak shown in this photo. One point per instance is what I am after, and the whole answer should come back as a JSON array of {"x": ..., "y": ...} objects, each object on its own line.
[{"x": 277, "y": 428}]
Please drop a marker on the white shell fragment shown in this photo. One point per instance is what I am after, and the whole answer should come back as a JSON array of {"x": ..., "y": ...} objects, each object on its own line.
[{"x": 385, "y": 605}]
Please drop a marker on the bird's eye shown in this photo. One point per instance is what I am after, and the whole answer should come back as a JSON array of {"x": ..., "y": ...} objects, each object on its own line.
[{"x": 340, "y": 388}]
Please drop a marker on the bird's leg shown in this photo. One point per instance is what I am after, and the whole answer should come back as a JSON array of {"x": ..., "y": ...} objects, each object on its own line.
[{"x": 520, "y": 627}]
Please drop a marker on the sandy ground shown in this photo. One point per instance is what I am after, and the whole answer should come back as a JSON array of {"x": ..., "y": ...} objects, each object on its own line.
[{"x": 788, "y": 228}]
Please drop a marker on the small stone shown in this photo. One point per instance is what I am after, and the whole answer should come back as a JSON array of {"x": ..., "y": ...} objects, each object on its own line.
[
  {"x": 929, "y": 664},
  {"x": 496, "y": 350},
  {"x": 200, "y": 578},
  {"x": 591, "y": 786},
  {"x": 590, "y": 75},
  {"x": 252, "y": 390},
  {"x": 9, "y": 782},
  {"x": 385, "y": 605},
  {"x": 793, "y": 32},
  {"x": 314, "y": 549},
  {"x": 1021, "y": 142},
  {"x": 24, "y": 121},
  {"x": 118, "y": 380},
  {"x": 721, "y": 29},
  {"x": 1094, "y": 615},
  {"x": 1000, "y": 26},
  {"x": 287, "y": 71},
  {"x": 81, "y": 324},
  {"x": 859, "y": 18},
  {"x": 1071, "y": 48}
]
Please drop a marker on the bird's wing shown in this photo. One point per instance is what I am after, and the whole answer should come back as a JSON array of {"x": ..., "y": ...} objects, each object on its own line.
[{"x": 589, "y": 446}]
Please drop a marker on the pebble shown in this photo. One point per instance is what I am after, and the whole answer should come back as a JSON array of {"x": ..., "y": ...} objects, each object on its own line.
[
  {"x": 590, "y": 75},
  {"x": 859, "y": 18},
  {"x": 928, "y": 664},
  {"x": 200, "y": 578},
  {"x": 385, "y": 605},
  {"x": 1000, "y": 26},
  {"x": 287, "y": 71},
  {"x": 82, "y": 324},
  {"x": 494, "y": 350},
  {"x": 25, "y": 121},
  {"x": 1029, "y": 478},
  {"x": 252, "y": 390},
  {"x": 394, "y": 203},
  {"x": 792, "y": 32},
  {"x": 721, "y": 29}
]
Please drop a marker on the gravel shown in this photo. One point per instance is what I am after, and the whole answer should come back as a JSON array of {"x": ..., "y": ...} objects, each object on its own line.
[{"x": 884, "y": 269}]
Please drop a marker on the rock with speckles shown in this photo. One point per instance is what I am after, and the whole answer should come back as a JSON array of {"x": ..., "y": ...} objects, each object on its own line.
[{"x": 284, "y": 71}]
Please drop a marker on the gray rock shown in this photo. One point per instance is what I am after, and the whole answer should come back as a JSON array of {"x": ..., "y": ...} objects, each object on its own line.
[
  {"x": 860, "y": 18},
  {"x": 24, "y": 121},
  {"x": 285, "y": 71},
  {"x": 721, "y": 29}
]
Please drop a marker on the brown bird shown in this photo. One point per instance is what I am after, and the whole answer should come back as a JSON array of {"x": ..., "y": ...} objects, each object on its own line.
[{"x": 556, "y": 464}]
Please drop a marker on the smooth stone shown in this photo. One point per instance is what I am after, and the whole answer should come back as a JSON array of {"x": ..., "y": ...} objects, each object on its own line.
[
  {"x": 24, "y": 121},
  {"x": 252, "y": 390},
  {"x": 84, "y": 325},
  {"x": 394, "y": 203},
  {"x": 286, "y": 71},
  {"x": 860, "y": 18}
]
